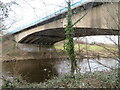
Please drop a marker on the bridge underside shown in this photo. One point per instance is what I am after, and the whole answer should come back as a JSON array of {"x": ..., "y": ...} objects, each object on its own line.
[{"x": 52, "y": 36}]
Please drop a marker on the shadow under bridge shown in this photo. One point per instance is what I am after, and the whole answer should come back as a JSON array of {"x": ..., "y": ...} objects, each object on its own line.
[{"x": 51, "y": 36}]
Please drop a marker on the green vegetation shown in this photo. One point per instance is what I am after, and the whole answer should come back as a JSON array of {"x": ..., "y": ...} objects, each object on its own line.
[
  {"x": 69, "y": 45},
  {"x": 90, "y": 47},
  {"x": 88, "y": 80},
  {"x": 99, "y": 79},
  {"x": 93, "y": 51}
]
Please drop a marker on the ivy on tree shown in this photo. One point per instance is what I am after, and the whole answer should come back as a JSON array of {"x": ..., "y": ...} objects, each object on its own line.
[{"x": 69, "y": 45}]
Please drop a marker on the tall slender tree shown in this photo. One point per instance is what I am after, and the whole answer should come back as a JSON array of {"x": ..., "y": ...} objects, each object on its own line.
[{"x": 69, "y": 39}]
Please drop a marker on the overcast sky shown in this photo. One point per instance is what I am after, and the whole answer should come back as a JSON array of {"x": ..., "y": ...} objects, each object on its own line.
[{"x": 28, "y": 10}]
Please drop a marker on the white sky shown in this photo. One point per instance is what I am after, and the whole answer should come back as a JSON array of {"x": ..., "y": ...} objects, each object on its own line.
[
  {"x": 29, "y": 10},
  {"x": 102, "y": 39}
]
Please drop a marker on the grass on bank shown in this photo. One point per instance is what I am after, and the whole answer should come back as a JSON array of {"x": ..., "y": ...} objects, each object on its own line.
[
  {"x": 90, "y": 47},
  {"x": 99, "y": 79}
]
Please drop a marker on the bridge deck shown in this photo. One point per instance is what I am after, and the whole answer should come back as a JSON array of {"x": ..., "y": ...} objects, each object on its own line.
[
  {"x": 101, "y": 19},
  {"x": 83, "y": 5}
]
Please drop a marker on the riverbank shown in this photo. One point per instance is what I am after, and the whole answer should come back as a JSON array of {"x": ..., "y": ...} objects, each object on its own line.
[
  {"x": 11, "y": 51},
  {"x": 91, "y": 51},
  {"x": 99, "y": 79}
]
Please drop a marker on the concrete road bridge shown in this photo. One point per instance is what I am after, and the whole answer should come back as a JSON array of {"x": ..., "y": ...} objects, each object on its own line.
[{"x": 98, "y": 19}]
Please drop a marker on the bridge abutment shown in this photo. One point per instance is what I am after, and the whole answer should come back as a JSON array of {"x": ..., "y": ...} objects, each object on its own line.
[{"x": 12, "y": 50}]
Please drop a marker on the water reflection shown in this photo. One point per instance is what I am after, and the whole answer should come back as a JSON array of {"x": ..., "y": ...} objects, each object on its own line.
[
  {"x": 41, "y": 70},
  {"x": 31, "y": 70}
]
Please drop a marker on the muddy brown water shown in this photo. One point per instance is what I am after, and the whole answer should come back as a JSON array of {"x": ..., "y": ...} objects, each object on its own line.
[{"x": 42, "y": 70}]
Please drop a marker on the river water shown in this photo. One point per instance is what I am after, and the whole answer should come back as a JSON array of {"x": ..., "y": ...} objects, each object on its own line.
[{"x": 42, "y": 70}]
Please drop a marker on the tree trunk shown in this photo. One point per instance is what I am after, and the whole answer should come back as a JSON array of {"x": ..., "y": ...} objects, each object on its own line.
[{"x": 69, "y": 37}]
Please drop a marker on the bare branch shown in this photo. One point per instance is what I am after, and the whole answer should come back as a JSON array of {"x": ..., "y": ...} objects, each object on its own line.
[{"x": 103, "y": 64}]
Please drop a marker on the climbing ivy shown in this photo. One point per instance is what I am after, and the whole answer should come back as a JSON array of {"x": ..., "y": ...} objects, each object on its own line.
[{"x": 69, "y": 44}]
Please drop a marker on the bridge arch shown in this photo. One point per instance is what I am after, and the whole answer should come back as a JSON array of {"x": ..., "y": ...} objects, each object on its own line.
[
  {"x": 100, "y": 20},
  {"x": 51, "y": 36}
]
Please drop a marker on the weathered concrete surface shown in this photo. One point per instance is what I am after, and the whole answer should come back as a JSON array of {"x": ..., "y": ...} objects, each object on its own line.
[
  {"x": 12, "y": 51},
  {"x": 100, "y": 20}
]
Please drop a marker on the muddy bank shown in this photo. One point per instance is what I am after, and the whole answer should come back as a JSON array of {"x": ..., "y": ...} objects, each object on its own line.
[
  {"x": 18, "y": 54},
  {"x": 27, "y": 56},
  {"x": 48, "y": 54},
  {"x": 12, "y": 51}
]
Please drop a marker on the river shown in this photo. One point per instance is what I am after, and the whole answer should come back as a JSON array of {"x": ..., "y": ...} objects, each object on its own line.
[{"x": 42, "y": 70}]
